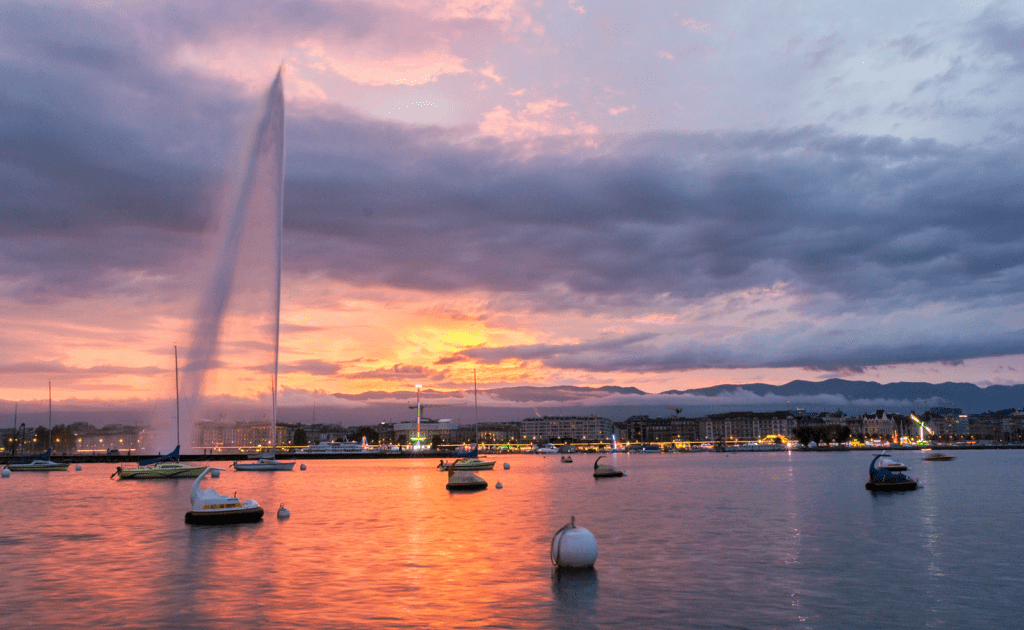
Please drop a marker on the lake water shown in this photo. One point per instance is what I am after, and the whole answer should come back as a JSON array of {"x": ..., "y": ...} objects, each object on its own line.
[{"x": 745, "y": 540}]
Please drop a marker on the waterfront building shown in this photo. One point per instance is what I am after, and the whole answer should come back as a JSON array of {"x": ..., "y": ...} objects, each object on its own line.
[
  {"x": 221, "y": 435},
  {"x": 560, "y": 428},
  {"x": 119, "y": 437},
  {"x": 445, "y": 430}
]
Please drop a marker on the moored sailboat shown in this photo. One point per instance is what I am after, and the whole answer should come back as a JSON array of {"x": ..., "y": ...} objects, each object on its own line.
[
  {"x": 42, "y": 463},
  {"x": 163, "y": 467}
]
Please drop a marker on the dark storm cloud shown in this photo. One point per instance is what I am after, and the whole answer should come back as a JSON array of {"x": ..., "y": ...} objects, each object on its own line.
[
  {"x": 108, "y": 155},
  {"x": 758, "y": 349},
  {"x": 875, "y": 220}
]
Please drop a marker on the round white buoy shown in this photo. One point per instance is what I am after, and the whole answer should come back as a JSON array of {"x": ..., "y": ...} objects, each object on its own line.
[
  {"x": 507, "y": 466},
  {"x": 5, "y": 473},
  {"x": 498, "y": 486},
  {"x": 282, "y": 512},
  {"x": 302, "y": 467},
  {"x": 78, "y": 467},
  {"x": 215, "y": 473},
  {"x": 573, "y": 547}
]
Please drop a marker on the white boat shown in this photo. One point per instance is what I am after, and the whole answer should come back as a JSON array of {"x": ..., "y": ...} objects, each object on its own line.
[
  {"x": 336, "y": 448},
  {"x": 886, "y": 461},
  {"x": 43, "y": 463},
  {"x": 163, "y": 467},
  {"x": 548, "y": 449},
  {"x": 264, "y": 463},
  {"x": 209, "y": 507}
]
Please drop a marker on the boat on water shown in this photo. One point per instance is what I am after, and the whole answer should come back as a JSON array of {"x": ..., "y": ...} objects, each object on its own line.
[
  {"x": 167, "y": 466},
  {"x": 604, "y": 470},
  {"x": 164, "y": 467},
  {"x": 336, "y": 448},
  {"x": 209, "y": 507},
  {"x": 265, "y": 463},
  {"x": 42, "y": 463},
  {"x": 938, "y": 457},
  {"x": 887, "y": 462},
  {"x": 566, "y": 459},
  {"x": 467, "y": 460},
  {"x": 547, "y": 449},
  {"x": 881, "y": 479},
  {"x": 464, "y": 480}
]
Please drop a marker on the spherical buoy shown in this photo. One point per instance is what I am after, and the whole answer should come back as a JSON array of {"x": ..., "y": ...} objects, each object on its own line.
[
  {"x": 302, "y": 467},
  {"x": 573, "y": 547},
  {"x": 215, "y": 473},
  {"x": 5, "y": 473},
  {"x": 282, "y": 512},
  {"x": 498, "y": 486},
  {"x": 507, "y": 466},
  {"x": 78, "y": 467}
]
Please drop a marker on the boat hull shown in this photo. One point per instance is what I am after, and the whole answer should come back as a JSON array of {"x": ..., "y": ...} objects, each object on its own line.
[
  {"x": 34, "y": 467},
  {"x": 264, "y": 466},
  {"x": 898, "y": 486},
  {"x": 173, "y": 471},
  {"x": 224, "y": 517},
  {"x": 475, "y": 464}
]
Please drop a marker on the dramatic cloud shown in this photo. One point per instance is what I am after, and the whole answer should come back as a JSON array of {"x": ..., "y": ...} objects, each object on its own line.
[{"x": 548, "y": 194}]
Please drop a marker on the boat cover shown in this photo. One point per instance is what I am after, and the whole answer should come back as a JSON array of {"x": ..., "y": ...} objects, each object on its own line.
[{"x": 172, "y": 455}]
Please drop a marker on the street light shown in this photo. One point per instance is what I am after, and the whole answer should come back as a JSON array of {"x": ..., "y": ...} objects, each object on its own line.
[{"x": 418, "y": 409}]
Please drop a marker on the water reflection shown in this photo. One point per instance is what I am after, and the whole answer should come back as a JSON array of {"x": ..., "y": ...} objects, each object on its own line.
[
  {"x": 755, "y": 541},
  {"x": 574, "y": 589}
]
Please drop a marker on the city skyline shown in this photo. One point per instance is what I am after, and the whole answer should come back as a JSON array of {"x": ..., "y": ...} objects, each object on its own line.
[{"x": 546, "y": 194}]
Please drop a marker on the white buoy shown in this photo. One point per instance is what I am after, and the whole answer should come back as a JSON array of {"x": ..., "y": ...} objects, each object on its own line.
[
  {"x": 507, "y": 466},
  {"x": 302, "y": 467},
  {"x": 498, "y": 486},
  {"x": 282, "y": 512},
  {"x": 5, "y": 473},
  {"x": 78, "y": 467},
  {"x": 573, "y": 547},
  {"x": 215, "y": 473}
]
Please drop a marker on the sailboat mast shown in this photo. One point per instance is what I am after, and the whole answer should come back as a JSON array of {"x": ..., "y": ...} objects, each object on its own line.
[
  {"x": 476, "y": 409},
  {"x": 177, "y": 403},
  {"x": 49, "y": 445}
]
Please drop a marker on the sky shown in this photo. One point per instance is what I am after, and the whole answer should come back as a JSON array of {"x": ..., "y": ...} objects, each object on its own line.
[{"x": 660, "y": 195}]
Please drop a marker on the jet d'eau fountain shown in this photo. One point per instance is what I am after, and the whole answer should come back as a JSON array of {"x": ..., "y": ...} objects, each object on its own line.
[{"x": 233, "y": 346}]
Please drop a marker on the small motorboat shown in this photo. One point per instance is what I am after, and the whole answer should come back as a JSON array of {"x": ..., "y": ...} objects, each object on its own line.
[
  {"x": 604, "y": 470},
  {"x": 881, "y": 479},
  {"x": 268, "y": 462},
  {"x": 209, "y": 507},
  {"x": 566, "y": 459},
  {"x": 464, "y": 480},
  {"x": 887, "y": 462},
  {"x": 938, "y": 457}
]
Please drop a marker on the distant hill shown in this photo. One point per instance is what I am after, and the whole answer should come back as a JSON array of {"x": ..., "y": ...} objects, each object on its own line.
[{"x": 967, "y": 396}]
